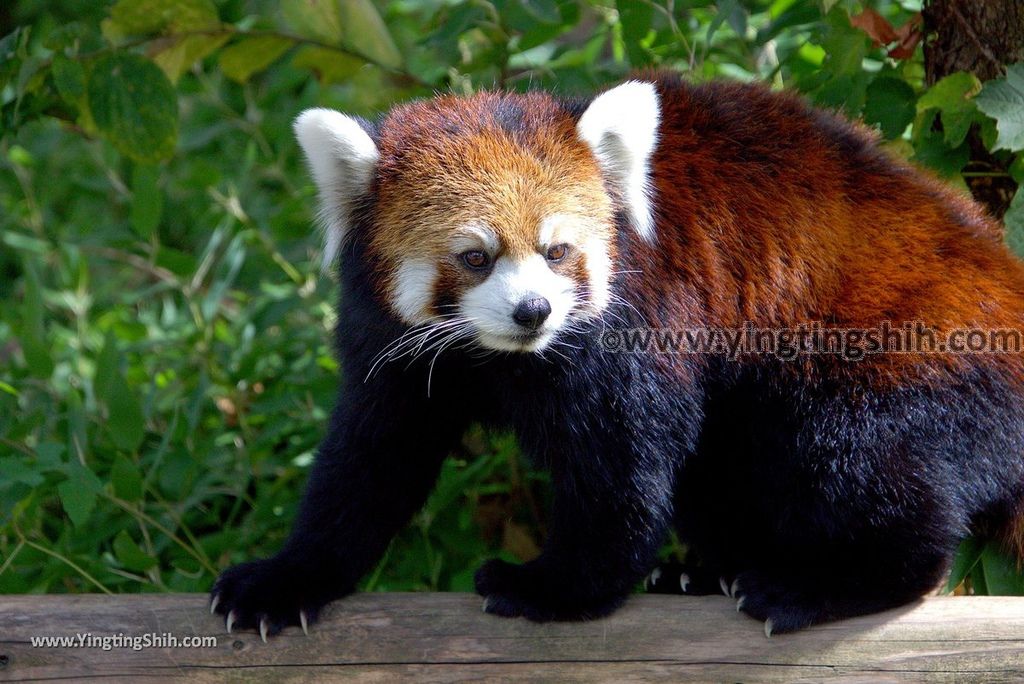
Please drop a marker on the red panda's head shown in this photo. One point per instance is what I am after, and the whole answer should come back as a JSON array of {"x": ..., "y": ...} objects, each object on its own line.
[{"x": 493, "y": 215}]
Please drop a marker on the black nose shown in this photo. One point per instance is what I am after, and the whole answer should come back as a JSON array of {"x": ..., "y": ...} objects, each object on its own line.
[{"x": 532, "y": 312}]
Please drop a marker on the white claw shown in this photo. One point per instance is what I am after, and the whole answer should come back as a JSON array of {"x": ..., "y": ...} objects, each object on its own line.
[
  {"x": 734, "y": 588},
  {"x": 304, "y": 622},
  {"x": 213, "y": 603},
  {"x": 653, "y": 578},
  {"x": 230, "y": 620},
  {"x": 263, "y": 629},
  {"x": 684, "y": 581},
  {"x": 486, "y": 601},
  {"x": 724, "y": 586},
  {"x": 739, "y": 603},
  {"x": 768, "y": 627}
]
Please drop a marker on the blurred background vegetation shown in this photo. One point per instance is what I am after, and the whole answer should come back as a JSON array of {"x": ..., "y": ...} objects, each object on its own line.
[{"x": 165, "y": 360}]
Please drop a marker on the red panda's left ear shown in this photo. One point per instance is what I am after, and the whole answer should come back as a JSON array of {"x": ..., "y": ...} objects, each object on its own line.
[
  {"x": 621, "y": 128},
  {"x": 342, "y": 158}
]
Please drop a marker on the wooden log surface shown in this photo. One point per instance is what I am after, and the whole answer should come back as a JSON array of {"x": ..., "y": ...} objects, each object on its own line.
[{"x": 446, "y": 637}]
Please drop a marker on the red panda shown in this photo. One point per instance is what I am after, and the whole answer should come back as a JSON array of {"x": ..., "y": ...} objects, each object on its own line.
[{"x": 492, "y": 247}]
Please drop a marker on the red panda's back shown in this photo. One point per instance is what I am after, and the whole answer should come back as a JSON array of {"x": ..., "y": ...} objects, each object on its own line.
[{"x": 780, "y": 213}]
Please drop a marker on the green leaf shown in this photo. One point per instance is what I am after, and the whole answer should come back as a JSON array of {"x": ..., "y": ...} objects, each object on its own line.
[
  {"x": 147, "y": 200},
  {"x": 542, "y": 11},
  {"x": 732, "y": 13},
  {"x": 364, "y": 30},
  {"x": 134, "y": 106},
  {"x": 844, "y": 91},
  {"x": 31, "y": 75},
  {"x": 73, "y": 37},
  {"x": 78, "y": 434},
  {"x": 845, "y": 45},
  {"x": 33, "y": 335},
  {"x": 14, "y": 469},
  {"x": 78, "y": 503},
  {"x": 126, "y": 478},
  {"x": 78, "y": 493},
  {"x": 316, "y": 19},
  {"x": 525, "y": 16},
  {"x": 130, "y": 555},
  {"x": 953, "y": 97},
  {"x": 49, "y": 455},
  {"x": 12, "y": 51},
  {"x": 635, "y": 18},
  {"x": 1017, "y": 169},
  {"x": 1000, "y": 570},
  {"x": 125, "y": 421},
  {"x": 69, "y": 77},
  {"x": 330, "y": 66},
  {"x": 792, "y": 15},
  {"x": 988, "y": 131},
  {"x": 890, "y": 105},
  {"x": 252, "y": 55},
  {"x": 186, "y": 51},
  {"x": 967, "y": 556},
  {"x": 106, "y": 381},
  {"x": 1003, "y": 100},
  {"x": 932, "y": 150},
  {"x": 147, "y": 17},
  {"x": 841, "y": 81}
]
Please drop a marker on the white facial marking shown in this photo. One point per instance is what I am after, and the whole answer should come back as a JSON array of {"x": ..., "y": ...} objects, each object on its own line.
[
  {"x": 599, "y": 273},
  {"x": 342, "y": 159},
  {"x": 559, "y": 229},
  {"x": 546, "y": 235},
  {"x": 414, "y": 290},
  {"x": 570, "y": 229},
  {"x": 490, "y": 304},
  {"x": 475, "y": 236},
  {"x": 621, "y": 128}
]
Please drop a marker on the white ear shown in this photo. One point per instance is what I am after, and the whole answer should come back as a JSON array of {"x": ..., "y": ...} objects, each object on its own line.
[
  {"x": 621, "y": 128},
  {"x": 342, "y": 159}
]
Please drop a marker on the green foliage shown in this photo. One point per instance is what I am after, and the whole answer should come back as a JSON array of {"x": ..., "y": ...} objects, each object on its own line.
[
  {"x": 1003, "y": 100},
  {"x": 133, "y": 104},
  {"x": 165, "y": 362},
  {"x": 953, "y": 98}
]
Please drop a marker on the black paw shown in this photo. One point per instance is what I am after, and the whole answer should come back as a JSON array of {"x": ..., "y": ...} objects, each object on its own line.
[
  {"x": 780, "y": 607},
  {"x": 497, "y": 576},
  {"x": 527, "y": 591},
  {"x": 265, "y": 595}
]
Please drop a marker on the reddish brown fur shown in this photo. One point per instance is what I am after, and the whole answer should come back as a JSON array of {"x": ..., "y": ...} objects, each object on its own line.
[{"x": 787, "y": 230}]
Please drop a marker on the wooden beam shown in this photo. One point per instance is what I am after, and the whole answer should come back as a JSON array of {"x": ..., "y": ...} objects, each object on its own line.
[{"x": 446, "y": 637}]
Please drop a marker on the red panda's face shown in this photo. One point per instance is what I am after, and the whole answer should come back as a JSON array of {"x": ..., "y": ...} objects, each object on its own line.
[
  {"x": 491, "y": 217},
  {"x": 507, "y": 230}
]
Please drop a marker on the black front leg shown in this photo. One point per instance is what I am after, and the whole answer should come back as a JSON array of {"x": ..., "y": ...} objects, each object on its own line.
[
  {"x": 374, "y": 470},
  {"x": 610, "y": 515}
]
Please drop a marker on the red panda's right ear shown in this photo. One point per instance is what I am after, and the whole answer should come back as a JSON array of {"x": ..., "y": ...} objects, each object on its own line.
[
  {"x": 342, "y": 158},
  {"x": 621, "y": 128}
]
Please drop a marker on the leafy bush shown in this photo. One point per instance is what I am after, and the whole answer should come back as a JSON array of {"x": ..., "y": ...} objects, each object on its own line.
[{"x": 165, "y": 363}]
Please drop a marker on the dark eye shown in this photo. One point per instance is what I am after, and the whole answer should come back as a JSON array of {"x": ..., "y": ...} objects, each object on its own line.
[
  {"x": 475, "y": 259},
  {"x": 557, "y": 252}
]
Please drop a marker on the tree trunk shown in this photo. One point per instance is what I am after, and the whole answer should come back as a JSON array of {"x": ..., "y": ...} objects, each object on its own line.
[{"x": 980, "y": 37}]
